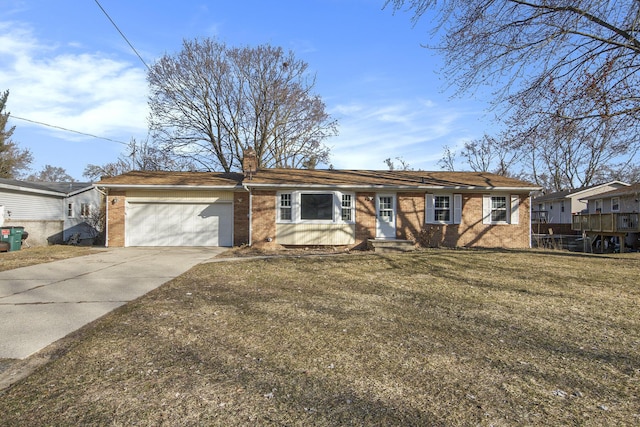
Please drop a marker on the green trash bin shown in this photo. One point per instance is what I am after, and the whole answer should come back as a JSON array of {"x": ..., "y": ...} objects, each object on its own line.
[{"x": 13, "y": 236}]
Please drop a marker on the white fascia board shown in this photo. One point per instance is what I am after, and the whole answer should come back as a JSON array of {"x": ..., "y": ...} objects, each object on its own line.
[
  {"x": 168, "y": 187},
  {"x": 622, "y": 185},
  {"x": 32, "y": 190},
  {"x": 81, "y": 190},
  {"x": 393, "y": 187}
]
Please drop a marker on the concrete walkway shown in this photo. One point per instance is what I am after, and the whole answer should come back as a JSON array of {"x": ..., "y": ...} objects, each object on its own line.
[{"x": 42, "y": 303}]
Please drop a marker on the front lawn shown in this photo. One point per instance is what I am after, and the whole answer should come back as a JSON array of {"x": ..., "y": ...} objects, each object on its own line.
[
  {"x": 40, "y": 254},
  {"x": 435, "y": 337}
]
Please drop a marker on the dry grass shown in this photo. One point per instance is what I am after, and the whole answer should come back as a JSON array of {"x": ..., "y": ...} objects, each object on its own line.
[
  {"x": 40, "y": 254},
  {"x": 435, "y": 337}
]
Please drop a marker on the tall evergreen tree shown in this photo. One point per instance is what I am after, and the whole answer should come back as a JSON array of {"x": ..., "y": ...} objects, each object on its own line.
[{"x": 14, "y": 161}]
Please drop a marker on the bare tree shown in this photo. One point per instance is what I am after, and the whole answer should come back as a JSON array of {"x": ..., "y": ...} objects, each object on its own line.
[
  {"x": 448, "y": 160},
  {"x": 138, "y": 156},
  {"x": 14, "y": 161},
  {"x": 209, "y": 103},
  {"x": 51, "y": 174},
  {"x": 563, "y": 69},
  {"x": 403, "y": 165}
]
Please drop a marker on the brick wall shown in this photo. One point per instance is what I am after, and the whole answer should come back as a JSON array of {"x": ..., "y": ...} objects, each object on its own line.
[
  {"x": 240, "y": 218},
  {"x": 471, "y": 232},
  {"x": 365, "y": 218},
  {"x": 115, "y": 230},
  {"x": 263, "y": 215},
  {"x": 410, "y": 215}
]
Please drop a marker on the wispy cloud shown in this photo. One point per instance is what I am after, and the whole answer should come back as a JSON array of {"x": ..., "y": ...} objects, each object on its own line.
[
  {"x": 87, "y": 92},
  {"x": 414, "y": 130}
]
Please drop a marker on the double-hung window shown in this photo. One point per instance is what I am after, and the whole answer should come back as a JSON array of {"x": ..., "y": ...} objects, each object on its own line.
[
  {"x": 85, "y": 210},
  {"x": 346, "y": 210},
  {"x": 615, "y": 204},
  {"x": 285, "y": 207},
  {"x": 500, "y": 209},
  {"x": 70, "y": 210},
  {"x": 443, "y": 208}
]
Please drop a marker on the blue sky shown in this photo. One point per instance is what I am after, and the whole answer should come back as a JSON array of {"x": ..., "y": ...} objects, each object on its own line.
[{"x": 66, "y": 65}]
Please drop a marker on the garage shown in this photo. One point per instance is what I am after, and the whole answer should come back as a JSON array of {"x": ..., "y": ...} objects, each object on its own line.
[{"x": 179, "y": 224}]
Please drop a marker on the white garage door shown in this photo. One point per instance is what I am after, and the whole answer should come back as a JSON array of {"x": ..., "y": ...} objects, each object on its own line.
[{"x": 179, "y": 224}]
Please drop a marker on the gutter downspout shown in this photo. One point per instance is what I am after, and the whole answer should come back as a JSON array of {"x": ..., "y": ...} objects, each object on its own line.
[
  {"x": 530, "y": 225},
  {"x": 250, "y": 214},
  {"x": 106, "y": 216}
]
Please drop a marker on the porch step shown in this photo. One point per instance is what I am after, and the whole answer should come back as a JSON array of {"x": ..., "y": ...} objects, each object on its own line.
[{"x": 379, "y": 245}]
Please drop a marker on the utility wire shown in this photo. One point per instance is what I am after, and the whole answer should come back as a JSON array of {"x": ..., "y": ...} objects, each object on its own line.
[
  {"x": 84, "y": 133},
  {"x": 122, "y": 34},
  {"x": 68, "y": 130}
]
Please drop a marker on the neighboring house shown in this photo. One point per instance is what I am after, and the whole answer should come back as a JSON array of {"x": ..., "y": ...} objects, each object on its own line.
[
  {"x": 50, "y": 212},
  {"x": 554, "y": 211},
  {"x": 613, "y": 214},
  {"x": 317, "y": 207}
]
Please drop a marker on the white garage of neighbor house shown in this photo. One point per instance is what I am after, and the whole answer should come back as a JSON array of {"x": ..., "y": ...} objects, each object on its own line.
[{"x": 171, "y": 209}]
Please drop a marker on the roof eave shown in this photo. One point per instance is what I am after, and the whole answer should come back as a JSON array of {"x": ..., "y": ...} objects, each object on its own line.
[
  {"x": 81, "y": 190},
  {"x": 394, "y": 187},
  {"x": 166, "y": 187},
  {"x": 32, "y": 190}
]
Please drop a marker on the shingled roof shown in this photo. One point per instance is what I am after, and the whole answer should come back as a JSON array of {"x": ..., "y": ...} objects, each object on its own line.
[
  {"x": 321, "y": 178},
  {"x": 173, "y": 179},
  {"x": 383, "y": 179}
]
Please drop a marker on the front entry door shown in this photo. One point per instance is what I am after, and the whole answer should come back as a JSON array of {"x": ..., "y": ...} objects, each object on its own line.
[{"x": 386, "y": 216}]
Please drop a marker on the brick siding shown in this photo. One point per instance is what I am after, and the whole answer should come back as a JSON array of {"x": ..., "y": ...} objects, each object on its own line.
[
  {"x": 410, "y": 215},
  {"x": 471, "y": 232},
  {"x": 115, "y": 231},
  {"x": 263, "y": 216},
  {"x": 240, "y": 218},
  {"x": 365, "y": 218}
]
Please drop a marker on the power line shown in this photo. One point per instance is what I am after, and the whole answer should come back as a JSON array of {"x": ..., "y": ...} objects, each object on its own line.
[
  {"x": 122, "y": 34},
  {"x": 67, "y": 130}
]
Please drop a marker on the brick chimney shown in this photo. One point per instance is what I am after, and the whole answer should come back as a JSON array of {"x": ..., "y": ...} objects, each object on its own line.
[{"x": 249, "y": 162}]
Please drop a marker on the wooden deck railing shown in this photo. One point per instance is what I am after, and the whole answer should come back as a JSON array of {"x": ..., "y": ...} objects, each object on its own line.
[
  {"x": 539, "y": 217},
  {"x": 606, "y": 222}
]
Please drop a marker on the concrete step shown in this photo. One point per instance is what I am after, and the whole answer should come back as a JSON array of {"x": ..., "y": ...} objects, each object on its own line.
[{"x": 380, "y": 245}]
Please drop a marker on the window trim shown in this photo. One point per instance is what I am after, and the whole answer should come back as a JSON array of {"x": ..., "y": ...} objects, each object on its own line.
[
  {"x": 85, "y": 210},
  {"x": 512, "y": 208},
  {"x": 350, "y": 208},
  {"x": 455, "y": 208},
  {"x": 296, "y": 208},
  {"x": 493, "y": 209},
  {"x": 280, "y": 207},
  {"x": 617, "y": 208},
  {"x": 70, "y": 210},
  {"x": 597, "y": 206}
]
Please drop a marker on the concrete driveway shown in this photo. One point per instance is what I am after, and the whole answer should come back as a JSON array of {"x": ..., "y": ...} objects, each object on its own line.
[{"x": 42, "y": 303}]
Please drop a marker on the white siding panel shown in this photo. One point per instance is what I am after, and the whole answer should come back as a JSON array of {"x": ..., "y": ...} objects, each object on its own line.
[
  {"x": 316, "y": 234},
  {"x": 31, "y": 206}
]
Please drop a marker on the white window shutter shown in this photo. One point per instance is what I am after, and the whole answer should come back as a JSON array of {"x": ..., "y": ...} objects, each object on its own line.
[
  {"x": 430, "y": 216},
  {"x": 457, "y": 208},
  {"x": 515, "y": 208},
  {"x": 486, "y": 209}
]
